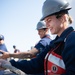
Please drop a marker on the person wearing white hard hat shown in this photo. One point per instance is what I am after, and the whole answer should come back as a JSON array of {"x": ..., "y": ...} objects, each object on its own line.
[
  {"x": 43, "y": 32},
  {"x": 59, "y": 57},
  {"x": 44, "y": 41}
]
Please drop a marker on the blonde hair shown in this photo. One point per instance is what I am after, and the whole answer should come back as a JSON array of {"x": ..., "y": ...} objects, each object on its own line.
[
  {"x": 59, "y": 14},
  {"x": 70, "y": 19}
]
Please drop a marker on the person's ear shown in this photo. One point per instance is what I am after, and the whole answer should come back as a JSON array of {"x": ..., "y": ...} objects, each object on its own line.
[{"x": 63, "y": 18}]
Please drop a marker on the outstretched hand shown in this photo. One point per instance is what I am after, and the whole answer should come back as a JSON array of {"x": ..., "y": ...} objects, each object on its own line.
[{"x": 4, "y": 55}]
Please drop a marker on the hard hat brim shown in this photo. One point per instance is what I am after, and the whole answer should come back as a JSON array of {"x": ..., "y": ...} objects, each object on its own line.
[{"x": 54, "y": 13}]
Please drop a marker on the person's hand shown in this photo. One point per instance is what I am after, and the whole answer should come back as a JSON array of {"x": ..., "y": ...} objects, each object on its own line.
[
  {"x": 7, "y": 65},
  {"x": 1, "y": 68},
  {"x": 3, "y": 63},
  {"x": 4, "y": 54}
]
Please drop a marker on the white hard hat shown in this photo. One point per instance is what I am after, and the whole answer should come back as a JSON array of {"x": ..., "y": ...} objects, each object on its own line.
[
  {"x": 51, "y": 7},
  {"x": 41, "y": 25}
]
